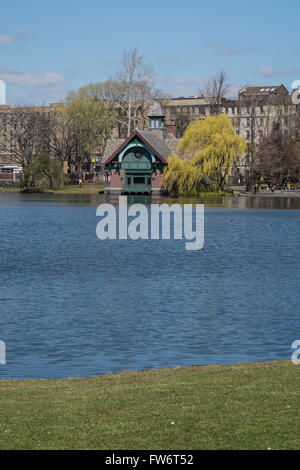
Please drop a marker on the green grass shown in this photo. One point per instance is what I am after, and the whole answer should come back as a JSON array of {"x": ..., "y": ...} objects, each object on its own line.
[
  {"x": 9, "y": 190},
  {"x": 242, "y": 406},
  {"x": 208, "y": 194},
  {"x": 68, "y": 189},
  {"x": 75, "y": 189}
]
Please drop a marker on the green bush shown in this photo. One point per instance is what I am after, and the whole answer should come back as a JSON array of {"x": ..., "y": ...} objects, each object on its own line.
[{"x": 44, "y": 172}]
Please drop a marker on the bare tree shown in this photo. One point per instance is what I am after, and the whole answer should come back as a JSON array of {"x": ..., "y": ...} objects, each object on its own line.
[
  {"x": 279, "y": 152},
  {"x": 161, "y": 94},
  {"x": 136, "y": 80},
  {"x": 28, "y": 130},
  {"x": 215, "y": 90},
  {"x": 262, "y": 113},
  {"x": 127, "y": 93},
  {"x": 63, "y": 141}
]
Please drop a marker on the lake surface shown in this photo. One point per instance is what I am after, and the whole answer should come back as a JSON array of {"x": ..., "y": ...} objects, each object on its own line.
[{"x": 74, "y": 306}]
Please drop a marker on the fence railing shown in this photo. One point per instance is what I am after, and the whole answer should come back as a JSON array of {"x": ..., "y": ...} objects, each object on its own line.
[{"x": 137, "y": 188}]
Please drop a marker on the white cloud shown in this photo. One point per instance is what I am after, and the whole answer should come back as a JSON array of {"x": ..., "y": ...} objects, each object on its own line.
[
  {"x": 47, "y": 94},
  {"x": 43, "y": 87},
  {"x": 10, "y": 38},
  {"x": 222, "y": 49},
  {"x": 188, "y": 86},
  {"x": 16, "y": 99},
  {"x": 172, "y": 60},
  {"x": 267, "y": 71},
  {"x": 180, "y": 86},
  {"x": 30, "y": 79},
  {"x": 6, "y": 39},
  {"x": 39, "y": 96}
]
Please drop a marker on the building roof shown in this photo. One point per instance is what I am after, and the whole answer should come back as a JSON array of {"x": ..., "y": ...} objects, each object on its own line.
[
  {"x": 159, "y": 146},
  {"x": 111, "y": 146},
  {"x": 156, "y": 110},
  {"x": 261, "y": 90},
  {"x": 172, "y": 143},
  {"x": 163, "y": 148}
]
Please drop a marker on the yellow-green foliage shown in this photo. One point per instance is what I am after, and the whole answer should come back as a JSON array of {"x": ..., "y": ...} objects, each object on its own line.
[
  {"x": 91, "y": 120},
  {"x": 207, "y": 151}
]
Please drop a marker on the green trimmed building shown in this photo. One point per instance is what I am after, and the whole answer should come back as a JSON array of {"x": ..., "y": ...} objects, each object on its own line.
[{"x": 135, "y": 165}]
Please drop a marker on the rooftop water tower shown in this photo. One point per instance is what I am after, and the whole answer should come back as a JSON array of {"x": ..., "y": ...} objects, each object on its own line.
[{"x": 2, "y": 92}]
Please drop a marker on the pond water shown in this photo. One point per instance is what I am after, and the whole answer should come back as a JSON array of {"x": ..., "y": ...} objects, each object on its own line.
[{"x": 74, "y": 306}]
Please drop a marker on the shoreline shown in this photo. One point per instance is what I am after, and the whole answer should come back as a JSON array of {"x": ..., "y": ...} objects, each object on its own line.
[
  {"x": 275, "y": 194},
  {"x": 98, "y": 190},
  {"x": 146, "y": 371}
]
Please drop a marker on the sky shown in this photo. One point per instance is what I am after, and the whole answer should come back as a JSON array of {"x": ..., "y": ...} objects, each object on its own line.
[{"x": 51, "y": 47}]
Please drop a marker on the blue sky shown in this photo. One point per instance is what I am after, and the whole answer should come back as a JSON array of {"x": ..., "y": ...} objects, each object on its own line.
[{"x": 50, "y": 47}]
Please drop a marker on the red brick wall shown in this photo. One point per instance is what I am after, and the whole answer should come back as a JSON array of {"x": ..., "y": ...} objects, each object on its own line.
[
  {"x": 156, "y": 180},
  {"x": 171, "y": 129},
  {"x": 115, "y": 179}
]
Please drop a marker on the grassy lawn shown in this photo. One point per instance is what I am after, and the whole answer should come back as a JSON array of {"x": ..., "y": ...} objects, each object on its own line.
[
  {"x": 95, "y": 188},
  {"x": 68, "y": 189},
  {"x": 243, "y": 406},
  {"x": 75, "y": 189},
  {"x": 9, "y": 190},
  {"x": 206, "y": 194}
]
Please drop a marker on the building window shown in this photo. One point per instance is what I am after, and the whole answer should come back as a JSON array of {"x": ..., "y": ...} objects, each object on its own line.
[{"x": 156, "y": 123}]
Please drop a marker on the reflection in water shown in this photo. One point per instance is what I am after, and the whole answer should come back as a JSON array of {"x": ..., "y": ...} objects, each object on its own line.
[
  {"x": 228, "y": 202},
  {"x": 72, "y": 305}
]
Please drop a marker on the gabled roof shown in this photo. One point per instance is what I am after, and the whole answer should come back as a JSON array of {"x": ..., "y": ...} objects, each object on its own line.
[{"x": 159, "y": 147}]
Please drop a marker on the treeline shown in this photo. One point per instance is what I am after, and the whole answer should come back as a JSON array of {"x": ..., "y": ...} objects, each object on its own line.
[
  {"x": 80, "y": 126},
  {"x": 278, "y": 154}
]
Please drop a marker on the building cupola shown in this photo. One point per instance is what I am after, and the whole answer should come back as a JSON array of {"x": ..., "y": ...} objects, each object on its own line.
[{"x": 156, "y": 116}]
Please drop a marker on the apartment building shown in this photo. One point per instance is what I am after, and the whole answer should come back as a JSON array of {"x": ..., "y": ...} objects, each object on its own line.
[{"x": 253, "y": 113}]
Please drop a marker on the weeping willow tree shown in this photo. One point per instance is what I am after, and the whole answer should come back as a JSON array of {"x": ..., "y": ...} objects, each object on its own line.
[{"x": 206, "y": 153}]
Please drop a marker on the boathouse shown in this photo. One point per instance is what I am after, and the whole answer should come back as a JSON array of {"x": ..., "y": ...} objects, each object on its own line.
[{"x": 135, "y": 165}]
